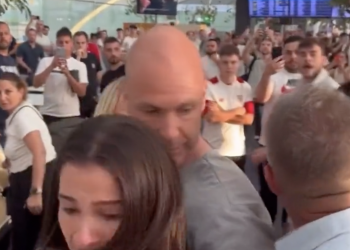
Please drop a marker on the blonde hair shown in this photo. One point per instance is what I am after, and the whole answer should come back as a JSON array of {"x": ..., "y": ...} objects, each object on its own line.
[
  {"x": 308, "y": 141},
  {"x": 109, "y": 99}
]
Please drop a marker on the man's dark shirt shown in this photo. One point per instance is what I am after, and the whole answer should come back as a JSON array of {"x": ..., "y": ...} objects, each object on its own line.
[
  {"x": 31, "y": 56},
  {"x": 7, "y": 64},
  {"x": 111, "y": 75},
  {"x": 13, "y": 44},
  {"x": 88, "y": 102}
]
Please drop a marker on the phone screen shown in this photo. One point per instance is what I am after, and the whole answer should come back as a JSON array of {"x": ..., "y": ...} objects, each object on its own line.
[{"x": 276, "y": 52}]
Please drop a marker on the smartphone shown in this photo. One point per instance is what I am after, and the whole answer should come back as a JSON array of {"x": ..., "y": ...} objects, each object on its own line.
[
  {"x": 276, "y": 52},
  {"x": 262, "y": 26},
  {"x": 60, "y": 52}
]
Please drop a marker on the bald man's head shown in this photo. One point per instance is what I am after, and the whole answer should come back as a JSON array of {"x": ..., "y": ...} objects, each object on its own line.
[{"x": 165, "y": 86}]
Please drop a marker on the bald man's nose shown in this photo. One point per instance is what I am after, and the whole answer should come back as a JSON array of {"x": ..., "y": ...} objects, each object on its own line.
[
  {"x": 169, "y": 127},
  {"x": 86, "y": 239}
]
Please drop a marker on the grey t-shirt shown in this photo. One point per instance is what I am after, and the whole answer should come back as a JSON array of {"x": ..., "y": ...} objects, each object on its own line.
[{"x": 223, "y": 209}]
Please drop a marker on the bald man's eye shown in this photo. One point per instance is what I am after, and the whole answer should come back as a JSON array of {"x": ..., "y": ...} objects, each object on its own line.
[
  {"x": 152, "y": 111},
  {"x": 185, "y": 110}
]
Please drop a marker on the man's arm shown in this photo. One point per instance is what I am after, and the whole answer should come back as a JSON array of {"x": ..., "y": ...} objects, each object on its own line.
[
  {"x": 264, "y": 89},
  {"x": 78, "y": 85},
  {"x": 42, "y": 72},
  {"x": 19, "y": 59},
  {"x": 247, "y": 118},
  {"x": 227, "y": 214}
]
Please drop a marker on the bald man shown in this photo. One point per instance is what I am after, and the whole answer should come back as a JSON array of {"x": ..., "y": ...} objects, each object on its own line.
[
  {"x": 165, "y": 87},
  {"x": 314, "y": 188}
]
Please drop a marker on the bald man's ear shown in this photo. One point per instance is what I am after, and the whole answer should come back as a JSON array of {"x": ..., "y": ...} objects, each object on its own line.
[{"x": 270, "y": 180}]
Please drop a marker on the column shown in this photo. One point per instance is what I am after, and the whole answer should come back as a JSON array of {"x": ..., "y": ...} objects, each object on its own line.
[{"x": 242, "y": 16}]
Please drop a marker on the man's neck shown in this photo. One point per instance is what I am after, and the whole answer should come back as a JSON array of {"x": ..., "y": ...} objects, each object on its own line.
[
  {"x": 311, "y": 79},
  {"x": 292, "y": 71},
  {"x": 265, "y": 56},
  {"x": 115, "y": 66},
  {"x": 315, "y": 209},
  {"x": 200, "y": 149},
  {"x": 32, "y": 43},
  {"x": 4, "y": 52},
  {"x": 133, "y": 35},
  {"x": 228, "y": 79}
]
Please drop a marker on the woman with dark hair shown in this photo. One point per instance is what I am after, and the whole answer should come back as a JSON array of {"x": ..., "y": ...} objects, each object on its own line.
[{"x": 115, "y": 188}]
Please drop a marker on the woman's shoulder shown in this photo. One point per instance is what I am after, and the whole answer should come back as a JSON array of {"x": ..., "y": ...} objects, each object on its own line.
[{"x": 25, "y": 111}]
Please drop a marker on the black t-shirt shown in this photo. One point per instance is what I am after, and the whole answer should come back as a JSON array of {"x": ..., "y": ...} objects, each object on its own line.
[
  {"x": 111, "y": 75},
  {"x": 93, "y": 66}
]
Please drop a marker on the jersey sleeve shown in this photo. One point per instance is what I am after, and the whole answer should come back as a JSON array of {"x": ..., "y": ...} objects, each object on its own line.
[
  {"x": 248, "y": 99},
  {"x": 209, "y": 97}
]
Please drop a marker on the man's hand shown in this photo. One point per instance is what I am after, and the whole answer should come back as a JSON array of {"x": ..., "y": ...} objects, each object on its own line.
[
  {"x": 274, "y": 66},
  {"x": 62, "y": 65},
  {"x": 55, "y": 62},
  {"x": 80, "y": 54},
  {"x": 259, "y": 155},
  {"x": 215, "y": 113},
  {"x": 35, "y": 204}
]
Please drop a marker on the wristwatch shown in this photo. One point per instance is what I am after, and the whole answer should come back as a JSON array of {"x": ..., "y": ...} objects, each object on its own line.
[{"x": 35, "y": 191}]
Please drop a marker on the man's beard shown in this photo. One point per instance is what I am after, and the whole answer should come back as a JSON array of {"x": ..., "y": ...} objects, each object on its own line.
[
  {"x": 114, "y": 61},
  {"x": 4, "y": 46},
  {"x": 210, "y": 53}
]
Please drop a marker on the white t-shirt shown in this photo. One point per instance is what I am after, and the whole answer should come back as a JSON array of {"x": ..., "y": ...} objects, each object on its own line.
[
  {"x": 23, "y": 120},
  {"x": 281, "y": 82},
  {"x": 128, "y": 42},
  {"x": 59, "y": 99},
  {"x": 44, "y": 41},
  {"x": 256, "y": 73},
  {"x": 210, "y": 68},
  {"x": 228, "y": 139}
]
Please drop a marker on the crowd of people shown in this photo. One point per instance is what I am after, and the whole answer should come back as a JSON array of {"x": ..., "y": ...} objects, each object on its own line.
[{"x": 147, "y": 149}]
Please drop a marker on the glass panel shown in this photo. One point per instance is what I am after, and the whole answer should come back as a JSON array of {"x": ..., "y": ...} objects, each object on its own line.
[{"x": 110, "y": 15}]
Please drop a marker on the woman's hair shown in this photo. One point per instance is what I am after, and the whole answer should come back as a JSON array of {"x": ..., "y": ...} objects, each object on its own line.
[
  {"x": 109, "y": 98},
  {"x": 16, "y": 81},
  {"x": 148, "y": 179}
]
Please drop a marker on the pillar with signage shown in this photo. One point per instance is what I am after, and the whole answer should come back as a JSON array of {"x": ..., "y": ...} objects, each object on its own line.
[{"x": 242, "y": 16}]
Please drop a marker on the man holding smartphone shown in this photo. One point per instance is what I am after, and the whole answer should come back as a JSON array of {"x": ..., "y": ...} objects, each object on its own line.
[
  {"x": 93, "y": 66},
  {"x": 65, "y": 80}
]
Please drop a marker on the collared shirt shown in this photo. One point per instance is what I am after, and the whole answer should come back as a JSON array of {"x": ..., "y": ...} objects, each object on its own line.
[
  {"x": 323, "y": 79},
  {"x": 328, "y": 233}
]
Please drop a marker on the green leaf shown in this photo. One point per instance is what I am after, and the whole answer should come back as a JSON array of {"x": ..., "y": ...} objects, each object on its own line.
[{"x": 21, "y": 5}]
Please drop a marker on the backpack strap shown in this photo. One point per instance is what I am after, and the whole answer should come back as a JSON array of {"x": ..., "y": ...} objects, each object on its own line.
[
  {"x": 252, "y": 64},
  {"x": 25, "y": 106}
]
